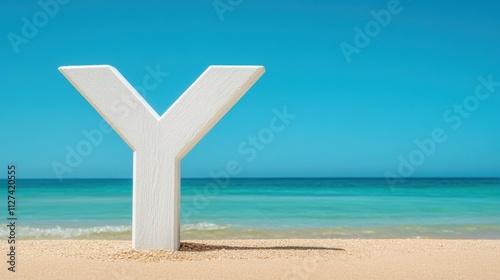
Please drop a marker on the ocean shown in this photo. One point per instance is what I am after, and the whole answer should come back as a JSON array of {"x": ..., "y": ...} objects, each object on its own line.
[{"x": 265, "y": 208}]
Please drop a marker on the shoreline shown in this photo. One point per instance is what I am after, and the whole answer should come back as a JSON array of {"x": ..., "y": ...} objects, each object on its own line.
[
  {"x": 210, "y": 231},
  {"x": 258, "y": 259}
]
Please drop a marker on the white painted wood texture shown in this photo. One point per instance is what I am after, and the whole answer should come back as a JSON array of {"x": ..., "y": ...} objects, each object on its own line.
[{"x": 160, "y": 142}]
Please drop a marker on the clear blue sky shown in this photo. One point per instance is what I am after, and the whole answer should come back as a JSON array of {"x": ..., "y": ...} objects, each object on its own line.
[{"x": 352, "y": 119}]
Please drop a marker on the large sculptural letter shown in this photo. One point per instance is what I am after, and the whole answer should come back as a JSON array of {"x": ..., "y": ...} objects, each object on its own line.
[{"x": 159, "y": 143}]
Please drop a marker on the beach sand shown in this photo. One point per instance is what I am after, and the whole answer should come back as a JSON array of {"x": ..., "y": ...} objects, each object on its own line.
[{"x": 258, "y": 259}]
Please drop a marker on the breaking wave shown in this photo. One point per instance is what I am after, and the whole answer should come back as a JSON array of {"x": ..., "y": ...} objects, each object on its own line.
[{"x": 104, "y": 232}]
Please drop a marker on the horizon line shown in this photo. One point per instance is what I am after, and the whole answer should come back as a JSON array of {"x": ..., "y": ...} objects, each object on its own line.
[{"x": 273, "y": 178}]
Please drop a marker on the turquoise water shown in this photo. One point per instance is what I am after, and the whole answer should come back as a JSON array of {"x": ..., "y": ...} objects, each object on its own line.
[{"x": 267, "y": 208}]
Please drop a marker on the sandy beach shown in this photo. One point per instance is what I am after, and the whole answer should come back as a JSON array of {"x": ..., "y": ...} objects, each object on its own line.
[{"x": 258, "y": 259}]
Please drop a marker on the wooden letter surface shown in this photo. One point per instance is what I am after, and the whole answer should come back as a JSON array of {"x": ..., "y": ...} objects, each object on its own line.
[{"x": 160, "y": 142}]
